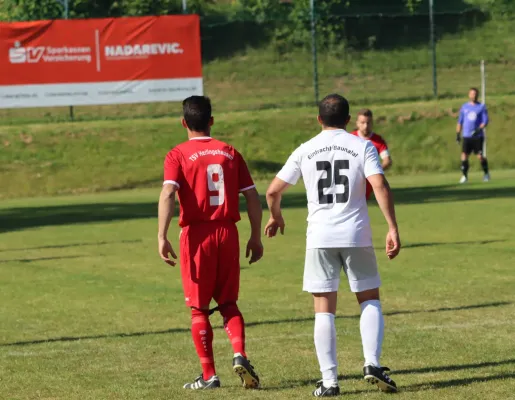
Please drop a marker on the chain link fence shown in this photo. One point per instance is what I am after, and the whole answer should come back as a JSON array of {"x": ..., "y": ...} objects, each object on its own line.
[{"x": 372, "y": 58}]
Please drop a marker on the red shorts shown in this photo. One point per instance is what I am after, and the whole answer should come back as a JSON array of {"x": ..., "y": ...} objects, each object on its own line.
[{"x": 210, "y": 263}]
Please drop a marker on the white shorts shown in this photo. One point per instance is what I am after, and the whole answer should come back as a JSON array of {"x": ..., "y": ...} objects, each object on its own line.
[{"x": 323, "y": 266}]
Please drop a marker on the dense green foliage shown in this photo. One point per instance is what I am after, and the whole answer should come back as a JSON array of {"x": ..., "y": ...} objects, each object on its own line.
[{"x": 284, "y": 23}]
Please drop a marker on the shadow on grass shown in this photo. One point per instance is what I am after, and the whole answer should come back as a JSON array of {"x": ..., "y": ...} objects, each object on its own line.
[
  {"x": 29, "y": 260},
  {"x": 388, "y": 314},
  {"x": 449, "y": 193},
  {"x": 456, "y": 382},
  {"x": 419, "y": 386},
  {"x": 66, "y": 246},
  {"x": 431, "y": 244},
  {"x": 93, "y": 337},
  {"x": 12, "y": 219},
  {"x": 248, "y": 324}
]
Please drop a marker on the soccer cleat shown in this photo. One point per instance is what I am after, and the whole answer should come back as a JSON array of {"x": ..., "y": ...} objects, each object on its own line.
[
  {"x": 486, "y": 178},
  {"x": 322, "y": 391},
  {"x": 201, "y": 384},
  {"x": 242, "y": 367},
  {"x": 379, "y": 377},
  {"x": 463, "y": 179}
]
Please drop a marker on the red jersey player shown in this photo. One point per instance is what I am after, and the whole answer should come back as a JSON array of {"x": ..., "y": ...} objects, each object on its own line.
[
  {"x": 208, "y": 176},
  {"x": 365, "y": 123}
]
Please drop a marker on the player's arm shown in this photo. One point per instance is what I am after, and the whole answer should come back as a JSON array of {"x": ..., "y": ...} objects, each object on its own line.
[
  {"x": 255, "y": 213},
  {"x": 165, "y": 213},
  {"x": 384, "y": 154},
  {"x": 386, "y": 162},
  {"x": 459, "y": 126},
  {"x": 273, "y": 199},
  {"x": 384, "y": 198},
  {"x": 166, "y": 206},
  {"x": 287, "y": 176},
  {"x": 484, "y": 118}
]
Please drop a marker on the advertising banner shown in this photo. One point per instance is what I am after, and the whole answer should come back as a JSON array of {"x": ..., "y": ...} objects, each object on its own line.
[{"x": 99, "y": 61}]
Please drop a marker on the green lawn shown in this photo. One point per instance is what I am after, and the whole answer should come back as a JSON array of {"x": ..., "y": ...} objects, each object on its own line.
[
  {"x": 90, "y": 312},
  {"x": 57, "y": 158}
]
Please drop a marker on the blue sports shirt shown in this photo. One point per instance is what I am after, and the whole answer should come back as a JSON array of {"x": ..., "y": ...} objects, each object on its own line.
[{"x": 471, "y": 117}]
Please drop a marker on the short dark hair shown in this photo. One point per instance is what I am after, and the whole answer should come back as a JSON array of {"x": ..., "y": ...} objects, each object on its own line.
[
  {"x": 197, "y": 112},
  {"x": 334, "y": 110},
  {"x": 366, "y": 112},
  {"x": 474, "y": 89}
]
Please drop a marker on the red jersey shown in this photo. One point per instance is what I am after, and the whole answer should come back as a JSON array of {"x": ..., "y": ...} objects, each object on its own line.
[
  {"x": 378, "y": 142},
  {"x": 381, "y": 147},
  {"x": 210, "y": 175}
]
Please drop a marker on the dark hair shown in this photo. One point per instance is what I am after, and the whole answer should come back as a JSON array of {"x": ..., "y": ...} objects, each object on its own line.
[
  {"x": 334, "y": 110},
  {"x": 366, "y": 112},
  {"x": 197, "y": 112},
  {"x": 475, "y": 90}
]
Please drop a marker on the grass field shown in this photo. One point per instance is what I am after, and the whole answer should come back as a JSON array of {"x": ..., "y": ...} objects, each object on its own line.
[
  {"x": 90, "y": 312},
  {"x": 54, "y": 158}
]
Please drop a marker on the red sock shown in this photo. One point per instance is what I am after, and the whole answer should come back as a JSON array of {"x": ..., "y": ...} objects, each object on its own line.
[
  {"x": 202, "y": 334},
  {"x": 234, "y": 326}
]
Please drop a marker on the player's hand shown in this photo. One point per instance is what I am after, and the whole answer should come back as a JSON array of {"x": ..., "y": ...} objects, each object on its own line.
[
  {"x": 165, "y": 250},
  {"x": 254, "y": 250},
  {"x": 476, "y": 131},
  {"x": 393, "y": 244},
  {"x": 273, "y": 225},
  {"x": 458, "y": 138}
]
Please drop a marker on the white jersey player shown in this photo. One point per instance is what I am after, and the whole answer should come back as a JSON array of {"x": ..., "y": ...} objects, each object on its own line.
[{"x": 335, "y": 167}]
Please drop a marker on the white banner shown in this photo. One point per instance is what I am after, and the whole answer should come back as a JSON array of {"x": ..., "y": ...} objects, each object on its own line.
[{"x": 65, "y": 94}]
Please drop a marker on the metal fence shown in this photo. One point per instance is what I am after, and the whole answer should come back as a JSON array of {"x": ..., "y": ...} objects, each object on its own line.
[{"x": 383, "y": 58}]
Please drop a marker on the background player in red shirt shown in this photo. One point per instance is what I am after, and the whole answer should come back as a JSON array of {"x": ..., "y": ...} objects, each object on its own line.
[
  {"x": 365, "y": 124},
  {"x": 208, "y": 176}
]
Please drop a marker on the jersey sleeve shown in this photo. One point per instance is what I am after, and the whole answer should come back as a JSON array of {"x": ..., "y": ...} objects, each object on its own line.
[
  {"x": 461, "y": 117},
  {"x": 372, "y": 163},
  {"x": 382, "y": 149},
  {"x": 245, "y": 181},
  {"x": 291, "y": 171},
  {"x": 484, "y": 116},
  {"x": 173, "y": 174}
]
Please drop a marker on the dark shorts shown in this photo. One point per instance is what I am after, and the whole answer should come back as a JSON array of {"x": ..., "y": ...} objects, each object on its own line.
[{"x": 473, "y": 145}]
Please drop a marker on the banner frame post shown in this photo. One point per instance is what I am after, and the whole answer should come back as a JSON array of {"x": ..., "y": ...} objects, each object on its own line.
[
  {"x": 66, "y": 14},
  {"x": 483, "y": 99},
  {"x": 433, "y": 46},
  {"x": 314, "y": 48}
]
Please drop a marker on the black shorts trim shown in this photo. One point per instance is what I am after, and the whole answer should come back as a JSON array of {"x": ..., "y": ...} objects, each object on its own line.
[{"x": 473, "y": 145}]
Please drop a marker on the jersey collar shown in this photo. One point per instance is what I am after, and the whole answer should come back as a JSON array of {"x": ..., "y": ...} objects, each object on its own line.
[
  {"x": 202, "y": 138},
  {"x": 334, "y": 131}
]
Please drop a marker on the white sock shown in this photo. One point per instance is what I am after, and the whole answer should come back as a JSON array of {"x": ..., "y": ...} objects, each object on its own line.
[
  {"x": 325, "y": 344},
  {"x": 372, "y": 331}
]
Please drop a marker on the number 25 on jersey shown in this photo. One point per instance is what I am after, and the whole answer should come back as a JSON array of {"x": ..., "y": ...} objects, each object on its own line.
[
  {"x": 326, "y": 183},
  {"x": 215, "y": 183}
]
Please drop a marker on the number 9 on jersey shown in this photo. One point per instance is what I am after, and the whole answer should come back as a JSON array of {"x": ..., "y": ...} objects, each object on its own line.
[{"x": 215, "y": 183}]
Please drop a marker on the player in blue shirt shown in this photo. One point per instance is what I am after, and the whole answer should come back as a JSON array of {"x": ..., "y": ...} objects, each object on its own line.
[{"x": 471, "y": 123}]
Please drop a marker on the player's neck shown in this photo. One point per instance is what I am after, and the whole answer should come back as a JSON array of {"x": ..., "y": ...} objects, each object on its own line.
[
  {"x": 333, "y": 128},
  {"x": 475, "y": 102},
  {"x": 365, "y": 135},
  {"x": 195, "y": 134}
]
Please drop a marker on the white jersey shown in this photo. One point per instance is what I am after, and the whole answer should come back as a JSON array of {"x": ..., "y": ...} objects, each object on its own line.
[{"x": 334, "y": 166}]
